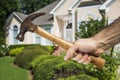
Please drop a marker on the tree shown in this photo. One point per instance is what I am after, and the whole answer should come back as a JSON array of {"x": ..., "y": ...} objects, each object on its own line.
[
  {"x": 33, "y": 5},
  {"x": 91, "y": 27},
  {"x": 6, "y": 8}
]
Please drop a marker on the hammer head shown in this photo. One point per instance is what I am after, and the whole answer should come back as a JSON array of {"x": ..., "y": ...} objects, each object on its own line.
[{"x": 27, "y": 25}]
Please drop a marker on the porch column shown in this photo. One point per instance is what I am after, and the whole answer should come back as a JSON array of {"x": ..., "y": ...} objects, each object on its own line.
[{"x": 74, "y": 24}]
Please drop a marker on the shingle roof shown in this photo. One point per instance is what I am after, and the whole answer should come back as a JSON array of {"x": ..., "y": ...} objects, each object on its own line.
[
  {"x": 42, "y": 20},
  {"x": 20, "y": 15},
  {"x": 90, "y": 3},
  {"x": 47, "y": 18}
]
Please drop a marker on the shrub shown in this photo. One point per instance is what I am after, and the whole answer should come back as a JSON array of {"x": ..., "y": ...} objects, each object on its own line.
[
  {"x": 40, "y": 59},
  {"x": 16, "y": 51},
  {"x": 22, "y": 45},
  {"x": 3, "y": 50},
  {"x": 80, "y": 77},
  {"x": 54, "y": 68},
  {"x": 47, "y": 48},
  {"x": 28, "y": 54}
]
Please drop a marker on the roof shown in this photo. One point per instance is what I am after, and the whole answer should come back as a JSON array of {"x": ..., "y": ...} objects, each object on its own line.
[
  {"x": 42, "y": 20},
  {"x": 47, "y": 18},
  {"x": 57, "y": 6},
  {"x": 91, "y": 3},
  {"x": 19, "y": 16}
]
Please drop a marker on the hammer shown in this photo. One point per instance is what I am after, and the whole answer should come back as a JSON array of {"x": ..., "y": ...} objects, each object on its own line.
[{"x": 27, "y": 25}]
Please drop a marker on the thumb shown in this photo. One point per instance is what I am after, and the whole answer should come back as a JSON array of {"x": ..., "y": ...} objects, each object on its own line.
[{"x": 70, "y": 53}]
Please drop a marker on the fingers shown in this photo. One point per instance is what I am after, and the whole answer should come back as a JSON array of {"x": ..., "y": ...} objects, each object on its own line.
[
  {"x": 80, "y": 58},
  {"x": 85, "y": 59},
  {"x": 71, "y": 52},
  {"x": 77, "y": 57}
]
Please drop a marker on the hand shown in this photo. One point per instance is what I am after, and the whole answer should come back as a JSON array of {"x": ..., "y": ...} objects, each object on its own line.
[{"x": 85, "y": 47}]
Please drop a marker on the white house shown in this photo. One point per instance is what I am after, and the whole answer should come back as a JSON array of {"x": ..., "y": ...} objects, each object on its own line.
[
  {"x": 15, "y": 19},
  {"x": 62, "y": 19}
]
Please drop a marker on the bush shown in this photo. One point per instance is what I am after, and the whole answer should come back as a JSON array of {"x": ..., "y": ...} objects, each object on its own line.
[
  {"x": 28, "y": 55},
  {"x": 22, "y": 45},
  {"x": 47, "y": 48},
  {"x": 3, "y": 50},
  {"x": 79, "y": 77},
  {"x": 40, "y": 59},
  {"x": 55, "y": 68},
  {"x": 16, "y": 51}
]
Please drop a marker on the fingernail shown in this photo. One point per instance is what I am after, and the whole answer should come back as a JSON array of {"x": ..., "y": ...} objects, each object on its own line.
[
  {"x": 80, "y": 61},
  {"x": 85, "y": 63},
  {"x": 74, "y": 59}
]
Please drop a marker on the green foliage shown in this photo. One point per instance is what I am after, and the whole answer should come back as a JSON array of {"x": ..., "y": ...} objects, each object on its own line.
[
  {"x": 6, "y": 7},
  {"x": 22, "y": 45},
  {"x": 33, "y": 5},
  {"x": 47, "y": 48},
  {"x": 16, "y": 51},
  {"x": 80, "y": 77},
  {"x": 40, "y": 59},
  {"x": 49, "y": 67},
  {"x": 28, "y": 55},
  {"x": 108, "y": 72},
  {"x": 90, "y": 28},
  {"x": 3, "y": 50}
]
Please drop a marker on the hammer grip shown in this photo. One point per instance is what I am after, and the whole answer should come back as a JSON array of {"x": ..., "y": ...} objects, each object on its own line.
[{"x": 99, "y": 62}]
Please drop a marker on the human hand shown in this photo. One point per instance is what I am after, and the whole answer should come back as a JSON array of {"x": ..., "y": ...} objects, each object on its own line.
[{"x": 82, "y": 49}]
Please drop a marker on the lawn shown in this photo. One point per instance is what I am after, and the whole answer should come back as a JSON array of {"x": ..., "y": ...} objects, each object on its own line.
[{"x": 8, "y": 71}]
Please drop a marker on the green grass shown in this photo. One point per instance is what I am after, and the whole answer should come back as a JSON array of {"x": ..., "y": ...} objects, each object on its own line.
[{"x": 8, "y": 71}]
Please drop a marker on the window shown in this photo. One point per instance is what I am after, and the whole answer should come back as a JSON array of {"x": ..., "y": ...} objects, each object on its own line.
[
  {"x": 69, "y": 26},
  {"x": 15, "y": 32},
  {"x": 38, "y": 39},
  {"x": 48, "y": 29},
  {"x": 68, "y": 32}
]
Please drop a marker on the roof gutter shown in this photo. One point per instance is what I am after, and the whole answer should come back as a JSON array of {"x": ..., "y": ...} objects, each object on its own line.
[
  {"x": 17, "y": 16},
  {"x": 106, "y": 4},
  {"x": 73, "y": 5}
]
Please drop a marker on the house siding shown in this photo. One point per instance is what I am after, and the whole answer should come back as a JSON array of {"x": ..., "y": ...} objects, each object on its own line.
[
  {"x": 63, "y": 10},
  {"x": 83, "y": 13},
  {"x": 9, "y": 31},
  {"x": 113, "y": 11}
]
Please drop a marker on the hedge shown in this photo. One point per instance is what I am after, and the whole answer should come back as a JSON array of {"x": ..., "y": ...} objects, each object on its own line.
[
  {"x": 40, "y": 59},
  {"x": 48, "y": 48},
  {"x": 28, "y": 55},
  {"x": 16, "y": 51},
  {"x": 53, "y": 68},
  {"x": 80, "y": 77}
]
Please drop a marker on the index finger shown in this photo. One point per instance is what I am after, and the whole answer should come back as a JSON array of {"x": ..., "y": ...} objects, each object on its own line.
[{"x": 71, "y": 52}]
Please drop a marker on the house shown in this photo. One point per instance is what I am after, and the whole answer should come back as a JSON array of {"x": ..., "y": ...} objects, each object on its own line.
[
  {"x": 62, "y": 19},
  {"x": 15, "y": 19}
]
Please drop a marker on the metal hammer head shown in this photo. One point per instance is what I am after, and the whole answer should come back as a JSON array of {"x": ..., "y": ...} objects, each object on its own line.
[{"x": 27, "y": 25}]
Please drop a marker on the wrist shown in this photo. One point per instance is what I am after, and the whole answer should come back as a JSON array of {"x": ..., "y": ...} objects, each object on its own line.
[{"x": 100, "y": 46}]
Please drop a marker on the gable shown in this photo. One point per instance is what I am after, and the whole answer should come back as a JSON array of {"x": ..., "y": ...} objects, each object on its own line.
[{"x": 62, "y": 7}]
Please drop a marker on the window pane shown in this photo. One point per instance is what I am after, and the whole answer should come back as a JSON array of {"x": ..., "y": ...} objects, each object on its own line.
[
  {"x": 38, "y": 39},
  {"x": 15, "y": 32},
  {"x": 48, "y": 30}
]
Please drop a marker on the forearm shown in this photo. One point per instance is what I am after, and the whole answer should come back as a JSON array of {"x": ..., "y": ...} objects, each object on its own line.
[{"x": 110, "y": 36}]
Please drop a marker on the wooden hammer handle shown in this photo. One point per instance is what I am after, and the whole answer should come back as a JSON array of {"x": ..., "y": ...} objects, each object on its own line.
[{"x": 99, "y": 62}]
